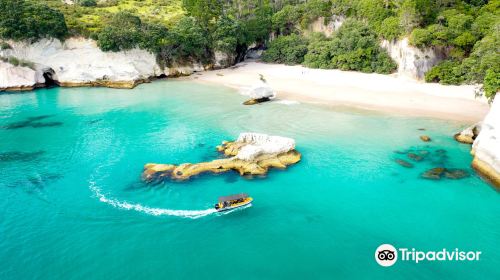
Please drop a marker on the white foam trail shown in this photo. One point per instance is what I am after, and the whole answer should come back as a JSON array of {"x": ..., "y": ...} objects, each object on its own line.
[{"x": 192, "y": 214}]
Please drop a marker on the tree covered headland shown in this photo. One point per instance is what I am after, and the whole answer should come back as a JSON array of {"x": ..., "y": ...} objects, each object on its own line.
[{"x": 467, "y": 31}]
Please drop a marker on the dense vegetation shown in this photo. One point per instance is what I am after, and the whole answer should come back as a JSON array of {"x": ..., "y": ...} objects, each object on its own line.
[
  {"x": 353, "y": 47},
  {"x": 178, "y": 30},
  {"x": 30, "y": 20},
  {"x": 467, "y": 31}
]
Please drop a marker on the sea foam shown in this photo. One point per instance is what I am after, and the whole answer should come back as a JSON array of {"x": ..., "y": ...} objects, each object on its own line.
[{"x": 192, "y": 214}]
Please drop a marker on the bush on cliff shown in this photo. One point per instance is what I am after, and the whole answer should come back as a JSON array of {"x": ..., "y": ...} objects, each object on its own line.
[
  {"x": 353, "y": 47},
  {"x": 228, "y": 34},
  {"x": 289, "y": 50},
  {"x": 21, "y": 20},
  {"x": 123, "y": 32},
  {"x": 87, "y": 3}
]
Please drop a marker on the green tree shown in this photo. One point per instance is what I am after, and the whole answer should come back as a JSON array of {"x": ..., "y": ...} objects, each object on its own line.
[
  {"x": 491, "y": 84},
  {"x": 285, "y": 21},
  {"x": 289, "y": 50},
  {"x": 409, "y": 15},
  {"x": 228, "y": 34},
  {"x": 189, "y": 40},
  {"x": 123, "y": 32},
  {"x": 390, "y": 28},
  {"x": 259, "y": 25},
  {"x": 204, "y": 11}
]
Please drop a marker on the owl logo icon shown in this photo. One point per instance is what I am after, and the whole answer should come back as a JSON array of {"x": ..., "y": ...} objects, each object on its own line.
[{"x": 386, "y": 255}]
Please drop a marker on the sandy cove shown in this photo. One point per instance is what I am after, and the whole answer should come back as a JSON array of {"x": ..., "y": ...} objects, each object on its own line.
[{"x": 387, "y": 93}]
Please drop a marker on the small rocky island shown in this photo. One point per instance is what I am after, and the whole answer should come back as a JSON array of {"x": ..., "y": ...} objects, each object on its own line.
[{"x": 250, "y": 154}]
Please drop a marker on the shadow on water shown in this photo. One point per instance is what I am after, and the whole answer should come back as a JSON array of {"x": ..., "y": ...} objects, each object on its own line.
[
  {"x": 33, "y": 122},
  {"x": 94, "y": 121},
  {"x": 20, "y": 156},
  {"x": 35, "y": 182}
]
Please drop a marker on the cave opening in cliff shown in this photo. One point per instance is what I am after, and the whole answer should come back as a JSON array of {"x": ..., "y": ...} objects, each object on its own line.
[{"x": 50, "y": 82}]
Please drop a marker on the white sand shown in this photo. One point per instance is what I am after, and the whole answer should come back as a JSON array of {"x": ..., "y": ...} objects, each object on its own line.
[{"x": 386, "y": 93}]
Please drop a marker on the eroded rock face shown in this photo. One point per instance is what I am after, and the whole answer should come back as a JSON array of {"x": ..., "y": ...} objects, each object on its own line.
[
  {"x": 80, "y": 62},
  {"x": 468, "y": 135},
  {"x": 223, "y": 60},
  {"x": 486, "y": 147},
  {"x": 17, "y": 78},
  {"x": 250, "y": 154},
  {"x": 325, "y": 25}
]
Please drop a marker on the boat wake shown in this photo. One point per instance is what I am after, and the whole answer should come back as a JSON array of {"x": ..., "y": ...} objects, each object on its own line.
[{"x": 192, "y": 214}]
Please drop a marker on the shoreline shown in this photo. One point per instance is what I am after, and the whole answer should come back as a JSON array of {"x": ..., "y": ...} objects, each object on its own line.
[{"x": 375, "y": 92}]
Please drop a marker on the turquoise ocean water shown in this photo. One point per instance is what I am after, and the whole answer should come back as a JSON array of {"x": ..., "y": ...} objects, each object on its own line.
[{"x": 73, "y": 206}]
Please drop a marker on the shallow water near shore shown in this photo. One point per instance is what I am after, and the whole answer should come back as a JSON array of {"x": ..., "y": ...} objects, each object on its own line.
[{"x": 74, "y": 207}]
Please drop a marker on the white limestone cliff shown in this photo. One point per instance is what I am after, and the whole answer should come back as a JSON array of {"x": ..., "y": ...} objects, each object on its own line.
[
  {"x": 80, "y": 62},
  {"x": 412, "y": 62},
  {"x": 486, "y": 147},
  {"x": 18, "y": 77}
]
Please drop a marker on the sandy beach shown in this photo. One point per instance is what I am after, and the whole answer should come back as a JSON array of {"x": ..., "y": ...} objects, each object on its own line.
[{"x": 387, "y": 93}]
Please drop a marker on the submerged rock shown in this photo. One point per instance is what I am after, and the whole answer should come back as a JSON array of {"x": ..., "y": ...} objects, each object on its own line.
[
  {"x": 438, "y": 173},
  {"x": 404, "y": 163},
  {"x": 468, "y": 135},
  {"x": 415, "y": 157},
  {"x": 250, "y": 154},
  {"x": 434, "y": 173},
  {"x": 425, "y": 138},
  {"x": 456, "y": 173}
]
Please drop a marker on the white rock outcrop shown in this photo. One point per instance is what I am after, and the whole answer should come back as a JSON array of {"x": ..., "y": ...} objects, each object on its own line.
[
  {"x": 260, "y": 90},
  {"x": 79, "y": 61},
  {"x": 18, "y": 78},
  {"x": 258, "y": 144},
  {"x": 486, "y": 147},
  {"x": 412, "y": 62},
  {"x": 468, "y": 135}
]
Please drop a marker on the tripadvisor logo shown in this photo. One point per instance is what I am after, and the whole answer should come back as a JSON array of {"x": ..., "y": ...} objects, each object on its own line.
[{"x": 387, "y": 255}]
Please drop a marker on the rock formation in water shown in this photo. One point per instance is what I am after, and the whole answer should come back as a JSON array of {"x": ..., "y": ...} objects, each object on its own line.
[
  {"x": 486, "y": 147},
  {"x": 258, "y": 93},
  {"x": 439, "y": 172},
  {"x": 468, "y": 135},
  {"x": 425, "y": 138},
  {"x": 250, "y": 154},
  {"x": 79, "y": 62}
]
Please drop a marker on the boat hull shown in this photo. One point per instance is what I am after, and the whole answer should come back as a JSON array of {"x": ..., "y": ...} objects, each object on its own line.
[{"x": 244, "y": 203}]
